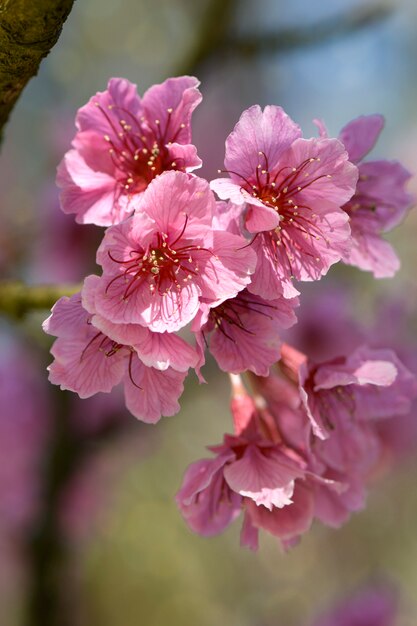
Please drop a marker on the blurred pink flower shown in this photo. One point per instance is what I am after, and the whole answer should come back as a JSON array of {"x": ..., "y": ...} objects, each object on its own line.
[
  {"x": 122, "y": 143},
  {"x": 24, "y": 430},
  {"x": 375, "y": 605},
  {"x": 380, "y": 201},
  {"x": 89, "y": 497},
  {"x": 368, "y": 384},
  {"x": 62, "y": 250}
]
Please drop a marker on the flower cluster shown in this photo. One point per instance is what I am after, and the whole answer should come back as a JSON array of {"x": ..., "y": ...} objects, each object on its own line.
[
  {"x": 185, "y": 271},
  {"x": 304, "y": 446}
]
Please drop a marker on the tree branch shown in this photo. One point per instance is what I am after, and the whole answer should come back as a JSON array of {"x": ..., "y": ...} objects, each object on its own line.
[
  {"x": 28, "y": 31},
  {"x": 47, "y": 545},
  {"x": 295, "y": 38},
  {"x": 16, "y": 298},
  {"x": 211, "y": 33}
]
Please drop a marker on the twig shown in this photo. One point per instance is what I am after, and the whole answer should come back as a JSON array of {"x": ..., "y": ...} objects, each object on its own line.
[
  {"x": 295, "y": 38},
  {"x": 16, "y": 298},
  {"x": 211, "y": 34},
  {"x": 28, "y": 31}
]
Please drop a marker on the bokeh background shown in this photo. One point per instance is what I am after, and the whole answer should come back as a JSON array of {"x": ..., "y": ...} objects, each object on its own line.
[{"x": 89, "y": 530}]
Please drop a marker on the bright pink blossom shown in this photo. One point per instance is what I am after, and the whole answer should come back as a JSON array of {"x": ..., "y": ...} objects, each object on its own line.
[
  {"x": 88, "y": 361},
  {"x": 158, "y": 264},
  {"x": 294, "y": 189},
  {"x": 122, "y": 143},
  {"x": 250, "y": 472}
]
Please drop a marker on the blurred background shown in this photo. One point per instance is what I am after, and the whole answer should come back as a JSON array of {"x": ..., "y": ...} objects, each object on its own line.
[{"x": 89, "y": 530}]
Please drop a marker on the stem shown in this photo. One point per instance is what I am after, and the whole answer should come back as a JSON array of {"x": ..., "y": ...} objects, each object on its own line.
[
  {"x": 28, "y": 31},
  {"x": 285, "y": 39},
  {"x": 291, "y": 361},
  {"x": 48, "y": 549},
  {"x": 16, "y": 298}
]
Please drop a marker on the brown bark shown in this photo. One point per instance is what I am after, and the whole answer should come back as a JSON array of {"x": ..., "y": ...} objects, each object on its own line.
[{"x": 28, "y": 31}]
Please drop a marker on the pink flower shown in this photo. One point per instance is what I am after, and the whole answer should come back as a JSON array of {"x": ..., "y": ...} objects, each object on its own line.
[
  {"x": 294, "y": 189},
  {"x": 380, "y": 202},
  {"x": 337, "y": 469},
  {"x": 254, "y": 475},
  {"x": 369, "y": 384},
  {"x": 62, "y": 249},
  {"x": 243, "y": 333},
  {"x": 249, "y": 472},
  {"x": 88, "y": 361},
  {"x": 122, "y": 143},
  {"x": 91, "y": 493},
  {"x": 326, "y": 326},
  {"x": 375, "y": 605},
  {"x": 340, "y": 466},
  {"x": 158, "y": 264},
  {"x": 24, "y": 435}
]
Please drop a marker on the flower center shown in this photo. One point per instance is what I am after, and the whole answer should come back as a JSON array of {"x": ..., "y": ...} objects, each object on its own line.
[
  {"x": 101, "y": 343},
  {"x": 282, "y": 190},
  {"x": 139, "y": 152},
  {"x": 231, "y": 312},
  {"x": 163, "y": 266}
]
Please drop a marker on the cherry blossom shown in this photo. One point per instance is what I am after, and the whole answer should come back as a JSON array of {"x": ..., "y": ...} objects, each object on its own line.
[
  {"x": 158, "y": 264},
  {"x": 122, "y": 143},
  {"x": 294, "y": 189}
]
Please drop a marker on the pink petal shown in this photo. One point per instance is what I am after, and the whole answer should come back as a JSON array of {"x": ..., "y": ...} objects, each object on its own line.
[
  {"x": 164, "y": 350},
  {"x": 270, "y": 131},
  {"x": 175, "y": 196},
  {"x": 87, "y": 193},
  {"x": 228, "y": 271},
  {"x": 158, "y": 394},
  {"x": 199, "y": 476},
  {"x": 187, "y": 154},
  {"x": 120, "y": 95},
  {"x": 360, "y": 135},
  {"x": 261, "y": 217},
  {"x": 329, "y": 161},
  {"x": 380, "y": 373},
  {"x": 249, "y": 535},
  {"x": 384, "y": 182},
  {"x": 85, "y": 371},
  {"x": 179, "y": 94},
  {"x": 67, "y": 318},
  {"x": 228, "y": 189},
  {"x": 248, "y": 338},
  {"x": 267, "y": 479},
  {"x": 290, "y": 521},
  {"x": 334, "y": 509},
  {"x": 371, "y": 253}
]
